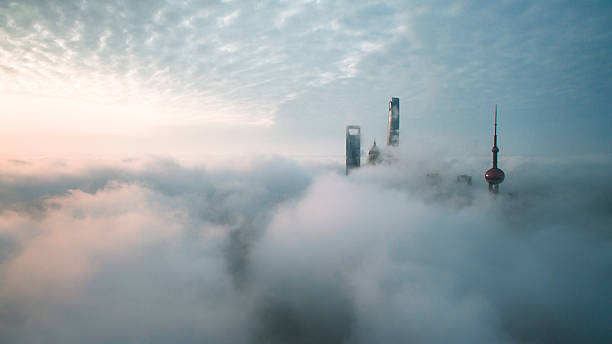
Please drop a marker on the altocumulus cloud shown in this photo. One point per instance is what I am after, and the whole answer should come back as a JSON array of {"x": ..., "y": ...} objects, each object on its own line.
[
  {"x": 276, "y": 252},
  {"x": 268, "y": 62}
]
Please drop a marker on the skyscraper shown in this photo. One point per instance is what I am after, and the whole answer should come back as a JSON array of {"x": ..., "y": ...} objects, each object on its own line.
[
  {"x": 494, "y": 175},
  {"x": 353, "y": 147},
  {"x": 393, "y": 131}
]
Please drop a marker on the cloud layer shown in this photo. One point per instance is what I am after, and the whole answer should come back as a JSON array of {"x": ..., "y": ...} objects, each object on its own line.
[
  {"x": 308, "y": 68},
  {"x": 275, "y": 252}
]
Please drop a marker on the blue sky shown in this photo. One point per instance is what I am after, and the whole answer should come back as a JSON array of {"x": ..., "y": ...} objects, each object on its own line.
[{"x": 188, "y": 77}]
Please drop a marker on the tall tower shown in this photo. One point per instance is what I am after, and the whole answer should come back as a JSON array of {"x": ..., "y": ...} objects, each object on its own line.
[
  {"x": 353, "y": 147},
  {"x": 393, "y": 132},
  {"x": 494, "y": 175}
]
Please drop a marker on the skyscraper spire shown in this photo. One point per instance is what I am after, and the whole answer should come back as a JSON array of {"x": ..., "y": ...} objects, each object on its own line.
[
  {"x": 495, "y": 149},
  {"x": 495, "y": 124},
  {"x": 494, "y": 175}
]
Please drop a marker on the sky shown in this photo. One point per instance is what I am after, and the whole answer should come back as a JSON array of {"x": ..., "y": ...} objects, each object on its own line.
[
  {"x": 124, "y": 78},
  {"x": 173, "y": 172}
]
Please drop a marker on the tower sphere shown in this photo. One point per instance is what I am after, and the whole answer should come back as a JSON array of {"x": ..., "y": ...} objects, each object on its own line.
[{"x": 494, "y": 176}]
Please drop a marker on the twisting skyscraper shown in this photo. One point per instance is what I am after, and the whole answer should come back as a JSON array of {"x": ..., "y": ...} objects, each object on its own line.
[{"x": 393, "y": 132}]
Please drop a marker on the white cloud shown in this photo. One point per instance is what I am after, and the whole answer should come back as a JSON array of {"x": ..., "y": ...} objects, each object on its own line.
[
  {"x": 237, "y": 62},
  {"x": 228, "y": 19},
  {"x": 268, "y": 254}
]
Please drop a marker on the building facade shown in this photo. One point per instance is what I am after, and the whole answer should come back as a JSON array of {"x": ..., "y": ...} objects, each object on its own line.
[
  {"x": 353, "y": 147},
  {"x": 393, "y": 130}
]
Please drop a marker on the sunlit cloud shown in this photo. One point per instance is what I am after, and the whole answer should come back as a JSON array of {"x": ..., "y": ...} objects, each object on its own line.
[
  {"x": 275, "y": 251},
  {"x": 256, "y": 64},
  {"x": 191, "y": 63},
  {"x": 173, "y": 172}
]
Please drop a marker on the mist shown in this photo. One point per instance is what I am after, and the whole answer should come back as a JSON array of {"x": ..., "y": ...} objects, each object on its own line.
[{"x": 271, "y": 250}]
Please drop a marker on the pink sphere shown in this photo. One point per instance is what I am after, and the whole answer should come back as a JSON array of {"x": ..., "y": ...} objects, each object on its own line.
[{"x": 495, "y": 176}]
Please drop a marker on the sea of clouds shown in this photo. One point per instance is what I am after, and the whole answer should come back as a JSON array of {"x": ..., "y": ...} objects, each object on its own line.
[{"x": 274, "y": 251}]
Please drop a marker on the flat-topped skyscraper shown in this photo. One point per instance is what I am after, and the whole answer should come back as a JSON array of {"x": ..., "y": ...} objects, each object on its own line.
[
  {"x": 393, "y": 131},
  {"x": 353, "y": 147}
]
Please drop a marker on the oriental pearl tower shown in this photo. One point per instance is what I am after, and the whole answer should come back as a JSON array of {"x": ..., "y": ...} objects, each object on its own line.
[{"x": 494, "y": 175}]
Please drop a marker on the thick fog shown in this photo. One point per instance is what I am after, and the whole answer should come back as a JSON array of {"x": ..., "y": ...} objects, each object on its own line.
[{"x": 275, "y": 251}]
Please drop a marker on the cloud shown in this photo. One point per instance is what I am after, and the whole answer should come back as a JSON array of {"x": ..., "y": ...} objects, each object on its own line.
[
  {"x": 110, "y": 244},
  {"x": 296, "y": 67},
  {"x": 424, "y": 265},
  {"x": 174, "y": 55},
  {"x": 275, "y": 252}
]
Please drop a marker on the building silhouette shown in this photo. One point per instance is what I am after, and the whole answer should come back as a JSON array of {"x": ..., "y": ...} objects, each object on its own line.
[
  {"x": 353, "y": 147},
  {"x": 464, "y": 179},
  {"x": 494, "y": 176},
  {"x": 393, "y": 129},
  {"x": 374, "y": 155}
]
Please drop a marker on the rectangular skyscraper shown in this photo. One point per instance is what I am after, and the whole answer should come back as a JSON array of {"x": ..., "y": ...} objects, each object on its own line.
[
  {"x": 393, "y": 132},
  {"x": 353, "y": 147}
]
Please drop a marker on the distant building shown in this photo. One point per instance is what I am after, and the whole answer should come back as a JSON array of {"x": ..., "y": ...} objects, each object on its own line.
[
  {"x": 353, "y": 147},
  {"x": 393, "y": 131},
  {"x": 433, "y": 178},
  {"x": 464, "y": 179},
  {"x": 374, "y": 155}
]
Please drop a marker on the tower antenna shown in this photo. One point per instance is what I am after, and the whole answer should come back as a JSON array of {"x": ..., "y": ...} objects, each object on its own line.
[{"x": 496, "y": 120}]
